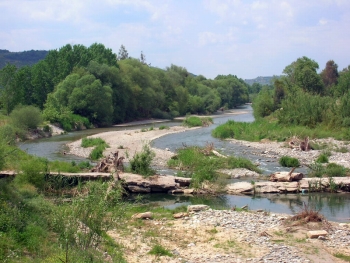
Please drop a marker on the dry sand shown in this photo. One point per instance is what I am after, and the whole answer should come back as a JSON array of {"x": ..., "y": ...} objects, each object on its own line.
[{"x": 129, "y": 142}]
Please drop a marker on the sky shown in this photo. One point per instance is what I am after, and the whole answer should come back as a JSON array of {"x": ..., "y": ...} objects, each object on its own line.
[{"x": 245, "y": 38}]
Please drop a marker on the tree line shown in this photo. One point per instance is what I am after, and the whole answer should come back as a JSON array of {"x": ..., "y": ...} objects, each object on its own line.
[
  {"x": 94, "y": 85},
  {"x": 304, "y": 97}
]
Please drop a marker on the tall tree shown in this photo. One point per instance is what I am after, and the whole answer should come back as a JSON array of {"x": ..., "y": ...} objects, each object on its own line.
[
  {"x": 123, "y": 53},
  {"x": 9, "y": 93},
  {"x": 330, "y": 74}
]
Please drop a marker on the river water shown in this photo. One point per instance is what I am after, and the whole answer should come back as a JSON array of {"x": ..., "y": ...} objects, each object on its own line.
[{"x": 335, "y": 207}]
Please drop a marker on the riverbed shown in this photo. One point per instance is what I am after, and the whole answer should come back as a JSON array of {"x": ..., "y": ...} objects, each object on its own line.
[{"x": 335, "y": 207}]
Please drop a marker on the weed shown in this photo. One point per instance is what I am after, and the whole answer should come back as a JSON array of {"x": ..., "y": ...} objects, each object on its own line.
[
  {"x": 342, "y": 256},
  {"x": 141, "y": 162},
  {"x": 342, "y": 149},
  {"x": 213, "y": 231},
  {"x": 287, "y": 161},
  {"x": 120, "y": 147},
  {"x": 159, "y": 250},
  {"x": 164, "y": 127},
  {"x": 322, "y": 158},
  {"x": 97, "y": 152},
  {"x": 194, "y": 121}
]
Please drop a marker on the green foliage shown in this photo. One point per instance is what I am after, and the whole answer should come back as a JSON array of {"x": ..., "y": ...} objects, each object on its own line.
[
  {"x": 97, "y": 152},
  {"x": 202, "y": 167},
  {"x": 263, "y": 104},
  {"x": 163, "y": 127},
  {"x": 29, "y": 221},
  {"x": 342, "y": 256},
  {"x": 287, "y": 161},
  {"x": 141, "y": 162},
  {"x": 33, "y": 172},
  {"x": 194, "y": 121},
  {"x": 262, "y": 128},
  {"x": 322, "y": 158},
  {"x": 331, "y": 170},
  {"x": 26, "y": 117},
  {"x": 159, "y": 250}
]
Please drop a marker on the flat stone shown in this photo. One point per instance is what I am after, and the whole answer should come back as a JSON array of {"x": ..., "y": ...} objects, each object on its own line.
[
  {"x": 316, "y": 233},
  {"x": 239, "y": 187},
  {"x": 196, "y": 208}
]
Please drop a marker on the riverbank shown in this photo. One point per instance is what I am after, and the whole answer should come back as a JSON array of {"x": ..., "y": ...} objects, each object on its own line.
[
  {"x": 230, "y": 236},
  {"x": 275, "y": 150}
]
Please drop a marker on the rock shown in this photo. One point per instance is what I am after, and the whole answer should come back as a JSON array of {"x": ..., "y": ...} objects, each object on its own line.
[
  {"x": 286, "y": 177},
  {"x": 180, "y": 215},
  {"x": 269, "y": 189},
  {"x": 240, "y": 187},
  {"x": 182, "y": 181},
  {"x": 196, "y": 208},
  {"x": 146, "y": 215},
  {"x": 317, "y": 233},
  {"x": 188, "y": 191}
]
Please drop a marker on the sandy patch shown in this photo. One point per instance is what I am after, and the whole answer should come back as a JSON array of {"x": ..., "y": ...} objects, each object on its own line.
[{"x": 129, "y": 142}]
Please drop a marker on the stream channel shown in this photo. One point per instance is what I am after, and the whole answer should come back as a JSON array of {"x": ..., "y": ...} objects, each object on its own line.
[{"x": 335, "y": 207}]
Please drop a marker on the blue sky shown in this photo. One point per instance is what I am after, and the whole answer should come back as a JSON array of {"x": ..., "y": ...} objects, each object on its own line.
[{"x": 209, "y": 37}]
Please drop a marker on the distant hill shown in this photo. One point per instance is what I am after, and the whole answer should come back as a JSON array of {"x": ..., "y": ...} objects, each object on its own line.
[
  {"x": 261, "y": 80},
  {"x": 20, "y": 59}
]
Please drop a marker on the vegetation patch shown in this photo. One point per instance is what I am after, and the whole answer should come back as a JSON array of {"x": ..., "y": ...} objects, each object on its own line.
[
  {"x": 287, "y": 161},
  {"x": 194, "y": 121},
  {"x": 164, "y": 127},
  {"x": 330, "y": 170},
  {"x": 202, "y": 164},
  {"x": 272, "y": 130},
  {"x": 158, "y": 250},
  {"x": 100, "y": 146},
  {"x": 342, "y": 256},
  {"x": 141, "y": 162}
]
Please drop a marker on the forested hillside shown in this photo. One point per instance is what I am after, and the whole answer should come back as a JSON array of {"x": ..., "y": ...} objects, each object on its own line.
[
  {"x": 78, "y": 84},
  {"x": 20, "y": 59}
]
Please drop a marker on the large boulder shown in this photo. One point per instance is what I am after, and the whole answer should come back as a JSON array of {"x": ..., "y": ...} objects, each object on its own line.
[{"x": 240, "y": 188}]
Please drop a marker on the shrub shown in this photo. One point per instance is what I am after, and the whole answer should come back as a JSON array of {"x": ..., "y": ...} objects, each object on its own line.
[
  {"x": 163, "y": 127},
  {"x": 141, "y": 162},
  {"x": 159, "y": 250},
  {"x": 33, "y": 172},
  {"x": 26, "y": 117},
  {"x": 89, "y": 142},
  {"x": 323, "y": 158},
  {"x": 335, "y": 170},
  {"x": 287, "y": 161},
  {"x": 194, "y": 121}
]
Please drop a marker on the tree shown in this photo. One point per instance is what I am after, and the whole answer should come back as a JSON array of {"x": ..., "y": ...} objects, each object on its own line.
[
  {"x": 143, "y": 58},
  {"x": 26, "y": 117},
  {"x": 303, "y": 74},
  {"x": 123, "y": 53},
  {"x": 9, "y": 93},
  {"x": 330, "y": 74}
]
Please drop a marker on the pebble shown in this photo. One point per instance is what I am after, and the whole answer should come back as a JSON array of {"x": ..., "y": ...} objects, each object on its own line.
[{"x": 250, "y": 226}]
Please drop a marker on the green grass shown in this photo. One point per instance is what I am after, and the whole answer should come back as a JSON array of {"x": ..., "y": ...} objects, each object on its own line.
[
  {"x": 100, "y": 146},
  {"x": 322, "y": 158},
  {"x": 164, "y": 127},
  {"x": 287, "y": 161},
  {"x": 342, "y": 256},
  {"x": 159, "y": 250},
  {"x": 262, "y": 128},
  {"x": 194, "y": 121},
  {"x": 202, "y": 167},
  {"x": 331, "y": 170}
]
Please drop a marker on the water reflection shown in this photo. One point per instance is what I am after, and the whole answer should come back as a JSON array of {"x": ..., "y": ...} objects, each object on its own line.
[{"x": 335, "y": 207}]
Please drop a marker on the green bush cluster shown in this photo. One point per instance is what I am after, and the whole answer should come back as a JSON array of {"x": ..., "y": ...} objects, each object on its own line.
[
  {"x": 100, "y": 146},
  {"x": 141, "y": 162},
  {"x": 202, "y": 167},
  {"x": 287, "y": 161},
  {"x": 194, "y": 121},
  {"x": 330, "y": 170}
]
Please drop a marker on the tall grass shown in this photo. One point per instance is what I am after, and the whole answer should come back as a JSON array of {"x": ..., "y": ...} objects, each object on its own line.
[
  {"x": 262, "y": 128},
  {"x": 194, "y": 121},
  {"x": 100, "y": 146},
  {"x": 203, "y": 167}
]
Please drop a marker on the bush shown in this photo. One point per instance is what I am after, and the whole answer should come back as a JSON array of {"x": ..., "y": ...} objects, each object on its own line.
[
  {"x": 33, "y": 172},
  {"x": 159, "y": 250},
  {"x": 323, "y": 158},
  {"x": 194, "y": 121},
  {"x": 26, "y": 117},
  {"x": 141, "y": 162},
  {"x": 163, "y": 127},
  {"x": 287, "y": 161},
  {"x": 97, "y": 152}
]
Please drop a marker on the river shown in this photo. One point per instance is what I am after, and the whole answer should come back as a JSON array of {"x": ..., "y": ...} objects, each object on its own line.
[{"x": 335, "y": 207}]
